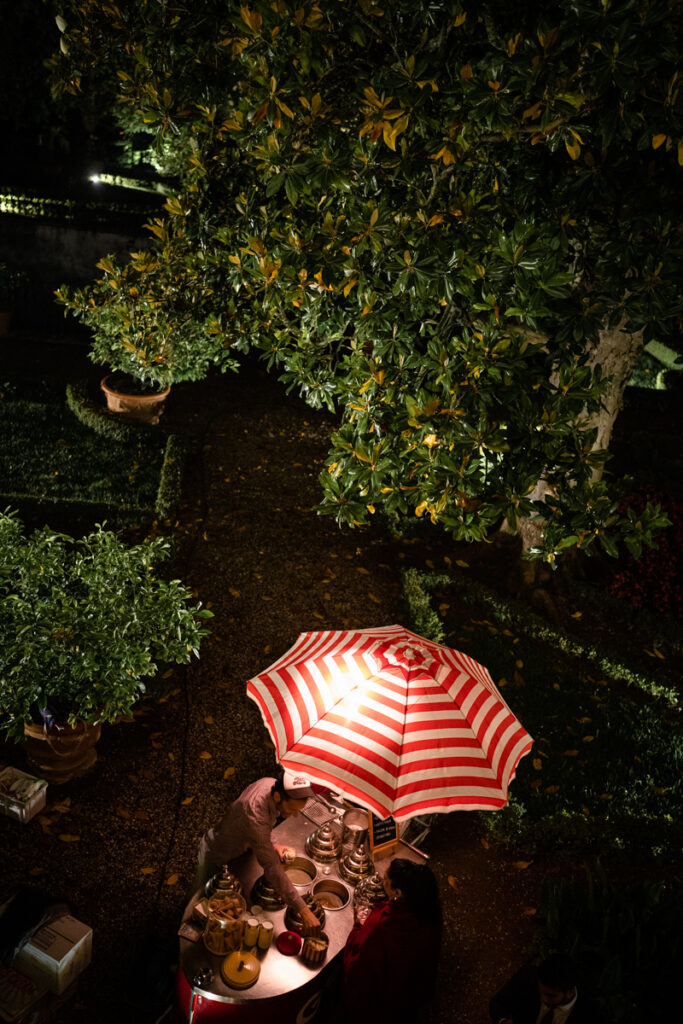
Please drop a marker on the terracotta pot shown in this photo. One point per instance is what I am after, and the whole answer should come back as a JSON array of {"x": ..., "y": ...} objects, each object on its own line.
[
  {"x": 143, "y": 408},
  {"x": 5, "y": 320},
  {"x": 59, "y": 755}
]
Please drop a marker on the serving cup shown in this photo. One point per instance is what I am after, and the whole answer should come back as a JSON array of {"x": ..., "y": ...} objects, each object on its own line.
[{"x": 314, "y": 949}]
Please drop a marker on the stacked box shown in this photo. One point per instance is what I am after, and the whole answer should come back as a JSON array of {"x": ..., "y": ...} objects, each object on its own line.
[
  {"x": 18, "y": 993},
  {"x": 56, "y": 954},
  {"x": 13, "y": 801}
]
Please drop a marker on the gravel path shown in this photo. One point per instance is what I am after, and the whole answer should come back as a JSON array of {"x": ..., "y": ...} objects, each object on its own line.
[{"x": 269, "y": 567}]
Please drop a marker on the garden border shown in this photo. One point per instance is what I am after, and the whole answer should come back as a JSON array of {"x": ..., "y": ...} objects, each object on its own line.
[{"x": 416, "y": 589}]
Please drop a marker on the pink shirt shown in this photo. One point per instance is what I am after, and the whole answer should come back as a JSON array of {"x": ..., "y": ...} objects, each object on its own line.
[{"x": 247, "y": 826}]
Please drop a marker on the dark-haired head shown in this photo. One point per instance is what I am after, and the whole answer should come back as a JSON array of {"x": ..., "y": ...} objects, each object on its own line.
[
  {"x": 557, "y": 979},
  {"x": 416, "y": 884},
  {"x": 558, "y": 970}
]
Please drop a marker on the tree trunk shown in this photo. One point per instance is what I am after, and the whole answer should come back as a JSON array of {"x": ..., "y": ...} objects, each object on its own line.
[{"x": 617, "y": 353}]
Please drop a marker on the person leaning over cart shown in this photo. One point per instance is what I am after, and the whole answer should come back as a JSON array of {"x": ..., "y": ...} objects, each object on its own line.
[{"x": 247, "y": 825}]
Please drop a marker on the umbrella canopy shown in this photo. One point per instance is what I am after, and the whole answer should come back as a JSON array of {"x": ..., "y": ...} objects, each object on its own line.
[{"x": 395, "y": 722}]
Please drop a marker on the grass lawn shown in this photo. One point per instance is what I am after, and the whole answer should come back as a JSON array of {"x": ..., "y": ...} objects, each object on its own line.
[{"x": 49, "y": 456}]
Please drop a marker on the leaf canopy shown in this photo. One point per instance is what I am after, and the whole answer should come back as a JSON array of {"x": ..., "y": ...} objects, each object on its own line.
[{"x": 423, "y": 216}]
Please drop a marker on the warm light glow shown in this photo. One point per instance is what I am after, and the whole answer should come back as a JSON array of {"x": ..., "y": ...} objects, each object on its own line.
[{"x": 120, "y": 181}]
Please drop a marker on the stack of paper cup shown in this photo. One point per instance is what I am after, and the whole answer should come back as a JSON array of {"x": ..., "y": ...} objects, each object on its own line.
[
  {"x": 265, "y": 934},
  {"x": 251, "y": 931}
]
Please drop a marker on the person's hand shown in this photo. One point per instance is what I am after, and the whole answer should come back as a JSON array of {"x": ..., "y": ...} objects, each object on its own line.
[
  {"x": 361, "y": 914},
  {"x": 285, "y": 853},
  {"x": 310, "y": 922}
]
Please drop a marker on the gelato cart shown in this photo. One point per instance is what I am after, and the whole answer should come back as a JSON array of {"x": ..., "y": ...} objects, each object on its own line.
[{"x": 266, "y": 971}]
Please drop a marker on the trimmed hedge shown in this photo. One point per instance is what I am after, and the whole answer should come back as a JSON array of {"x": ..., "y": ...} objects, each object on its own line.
[
  {"x": 98, "y": 418},
  {"x": 91, "y": 467},
  {"x": 625, "y": 940},
  {"x": 417, "y": 588}
]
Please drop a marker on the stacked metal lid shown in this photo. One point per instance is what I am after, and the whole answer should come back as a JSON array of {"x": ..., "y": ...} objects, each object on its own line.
[{"x": 325, "y": 844}]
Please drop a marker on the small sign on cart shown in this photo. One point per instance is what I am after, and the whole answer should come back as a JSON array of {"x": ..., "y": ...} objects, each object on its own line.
[{"x": 382, "y": 832}]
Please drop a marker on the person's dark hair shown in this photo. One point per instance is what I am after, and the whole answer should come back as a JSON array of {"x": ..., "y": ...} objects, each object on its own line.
[
  {"x": 278, "y": 787},
  {"x": 558, "y": 971},
  {"x": 419, "y": 888}
]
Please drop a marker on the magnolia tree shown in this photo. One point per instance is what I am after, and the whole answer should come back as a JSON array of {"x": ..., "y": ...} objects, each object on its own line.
[{"x": 455, "y": 223}]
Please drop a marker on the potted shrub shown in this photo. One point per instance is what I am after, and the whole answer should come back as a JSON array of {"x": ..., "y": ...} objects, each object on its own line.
[
  {"x": 10, "y": 283},
  {"x": 153, "y": 324},
  {"x": 83, "y": 625}
]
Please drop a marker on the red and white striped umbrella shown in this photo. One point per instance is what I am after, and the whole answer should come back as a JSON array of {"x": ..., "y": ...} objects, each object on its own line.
[{"x": 395, "y": 722}]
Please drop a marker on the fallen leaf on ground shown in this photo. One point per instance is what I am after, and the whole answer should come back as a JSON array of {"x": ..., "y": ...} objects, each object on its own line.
[
  {"x": 123, "y": 812},
  {"x": 228, "y": 773},
  {"x": 234, "y": 591},
  {"x": 209, "y": 719},
  {"x": 588, "y": 739},
  {"x": 205, "y": 755},
  {"x": 374, "y": 598},
  {"x": 66, "y": 837},
  {"x": 463, "y": 565},
  {"x": 537, "y": 764},
  {"x": 187, "y": 800},
  {"x": 172, "y": 880},
  {"x": 453, "y": 882},
  {"x": 521, "y": 865},
  {"x": 168, "y": 673},
  {"x": 484, "y": 843},
  {"x": 359, "y": 568},
  {"x": 552, "y": 789},
  {"x": 570, "y": 753},
  {"x": 577, "y": 615},
  {"x": 528, "y": 911},
  {"x": 146, "y": 871}
]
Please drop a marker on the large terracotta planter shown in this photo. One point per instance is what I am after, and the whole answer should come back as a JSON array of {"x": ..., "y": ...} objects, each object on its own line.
[
  {"x": 142, "y": 408},
  {"x": 59, "y": 755}
]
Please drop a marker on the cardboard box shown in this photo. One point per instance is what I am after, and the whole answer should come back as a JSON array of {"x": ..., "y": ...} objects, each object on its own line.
[
  {"x": 18, "y": 993},
  {"x": 57, "y": 954},
  {"x": 11, "y": 801}
]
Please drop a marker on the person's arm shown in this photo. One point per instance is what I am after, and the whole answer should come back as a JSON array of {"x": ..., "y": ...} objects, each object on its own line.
[{"x": 365, "y": 970}]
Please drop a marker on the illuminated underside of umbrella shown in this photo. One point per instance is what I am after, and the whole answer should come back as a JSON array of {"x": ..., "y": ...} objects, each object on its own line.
[{"x": 395, "y": 722}]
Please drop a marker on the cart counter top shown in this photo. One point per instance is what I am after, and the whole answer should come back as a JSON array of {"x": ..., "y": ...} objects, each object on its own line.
[{"x": 279, "y": 973}]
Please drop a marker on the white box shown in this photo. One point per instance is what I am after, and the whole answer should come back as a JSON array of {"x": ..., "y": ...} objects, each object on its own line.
[
  {"x": 56, "y": 954},
  {"x": 11, "y": 803}
]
